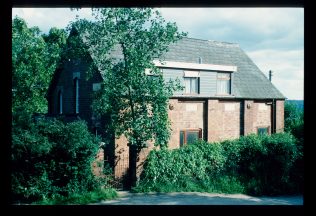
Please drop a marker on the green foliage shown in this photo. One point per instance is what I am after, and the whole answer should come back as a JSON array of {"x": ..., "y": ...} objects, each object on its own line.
[
  {"x": 136, "y": 103},
  {"x": 294, "y": 120},
  {"x": 265, "y": 163},
  {"x": 52, "y": 159},
  {"x": 197, "y": 167},
  {"x": 294, "y": 123},
  {"x": 81, "y": 198},
  {"x": 34, "y": 59},
  {"x": 256, "y": 165}
]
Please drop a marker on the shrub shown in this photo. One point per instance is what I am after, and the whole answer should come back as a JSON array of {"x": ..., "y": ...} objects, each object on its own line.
[
  {"x": 257, "y": 165},
  {"x": 197, "y": 167},
  {"x": 51, "y": 159},
  {"x": 265, "y": 162},
  {"x": 294, "y": 124}
]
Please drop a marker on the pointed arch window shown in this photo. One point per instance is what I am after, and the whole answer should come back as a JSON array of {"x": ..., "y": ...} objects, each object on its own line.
[
  {"x": 76, "y": 91},
  {"x": 60, "y": 102}
]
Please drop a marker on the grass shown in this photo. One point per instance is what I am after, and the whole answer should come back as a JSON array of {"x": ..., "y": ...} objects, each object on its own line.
[{"x": 81, "y": 199}]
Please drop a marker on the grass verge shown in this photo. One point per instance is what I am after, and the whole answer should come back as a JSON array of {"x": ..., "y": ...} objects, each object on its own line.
[{"x": 81, "y": 199}]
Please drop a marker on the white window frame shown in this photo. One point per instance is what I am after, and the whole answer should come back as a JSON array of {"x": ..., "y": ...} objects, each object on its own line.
[
  {"x": 218, "y": 79},
  {"x": 191, "y": 90},
  {"x": 192, "y": 76}
]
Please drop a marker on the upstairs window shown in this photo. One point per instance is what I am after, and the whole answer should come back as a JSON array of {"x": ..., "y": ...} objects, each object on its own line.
[
  {"x": 190, "y": 136},
  {"x": 191, "y": 82},
  {"x": 191, "y": 85},
  {"x": 223, "y": 83}
]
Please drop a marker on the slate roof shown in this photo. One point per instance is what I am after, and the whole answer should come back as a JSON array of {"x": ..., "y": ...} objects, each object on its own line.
[{"x": 248, "y": 82}]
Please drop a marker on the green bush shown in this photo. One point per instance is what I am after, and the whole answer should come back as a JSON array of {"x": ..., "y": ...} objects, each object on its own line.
[
  {"x": 265, "y": 162},
  {"x": 197, "y": 167},
  {"x": 52, "y": 159},
  {"x": 256, "y": 165}
]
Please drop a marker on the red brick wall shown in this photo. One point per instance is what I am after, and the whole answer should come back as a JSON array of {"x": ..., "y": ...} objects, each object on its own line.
[
  {"x": 223, "y": 120},
  {"x": 257, "y": 114},
  {"x": 184, "y": 115},
  {"x": 279, "y": 116}
]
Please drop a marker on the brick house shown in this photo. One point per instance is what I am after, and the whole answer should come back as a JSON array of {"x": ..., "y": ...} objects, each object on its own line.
[{"x": 225, "y": 96}]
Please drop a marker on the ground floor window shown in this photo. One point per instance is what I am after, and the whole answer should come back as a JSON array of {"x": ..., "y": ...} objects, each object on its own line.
[
  {"x": 190, "y": 136},
  {"x": 263, "y": 130}
]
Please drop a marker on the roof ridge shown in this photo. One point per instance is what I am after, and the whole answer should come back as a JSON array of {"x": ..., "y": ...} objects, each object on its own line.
[{"x": 215, "y": 42}]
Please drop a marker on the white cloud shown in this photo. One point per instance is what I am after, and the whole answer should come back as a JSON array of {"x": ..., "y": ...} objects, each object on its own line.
[
  {"x": 287, "y": 68},
  {"x": 46, "y": 18},
  {"x": 247, "y": 25}
]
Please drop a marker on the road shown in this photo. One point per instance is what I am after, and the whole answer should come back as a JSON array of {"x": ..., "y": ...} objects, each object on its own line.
[{"x": 196, "y": 198}]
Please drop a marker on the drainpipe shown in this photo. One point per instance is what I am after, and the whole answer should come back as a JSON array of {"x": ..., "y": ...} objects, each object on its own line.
[
  {"x": 273, "y": 115},
  {"x": 273, "y": 123}
]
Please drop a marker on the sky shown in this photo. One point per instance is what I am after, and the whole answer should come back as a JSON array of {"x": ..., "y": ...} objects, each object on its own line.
[{"x": 272, "y": 37}]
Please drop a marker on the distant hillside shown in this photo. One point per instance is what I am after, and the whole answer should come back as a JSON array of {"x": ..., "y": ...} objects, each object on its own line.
[{"x": 298, "y": 103}]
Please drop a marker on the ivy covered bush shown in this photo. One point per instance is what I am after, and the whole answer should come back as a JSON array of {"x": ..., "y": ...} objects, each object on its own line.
[
  {"x": 256, "y": 165},
  {"x": 197, "y": 167},
  {"x": 52, "y": 159}
]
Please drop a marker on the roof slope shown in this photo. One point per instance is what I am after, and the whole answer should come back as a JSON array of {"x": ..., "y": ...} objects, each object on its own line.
[{"x": 249, "y": 81}]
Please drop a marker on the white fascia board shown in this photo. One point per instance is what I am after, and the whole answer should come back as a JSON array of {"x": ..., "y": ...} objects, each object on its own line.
[
  {"x": 185, "y": 65},
  {"x": 191, "y": 73}
]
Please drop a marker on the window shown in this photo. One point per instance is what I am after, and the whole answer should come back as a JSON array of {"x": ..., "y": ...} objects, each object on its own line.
[
  {"x": 223, "y": 83},
  {"x": 60, "y": 102},
  {"x": 76, "y": 89},
  {"x": 191, "y": 82},
  {"x": 190, "y": 136},
  {"x": 191, "y": 85},
  {"x": 263, "y": 130},
  {"x": 96, "y": 86}
]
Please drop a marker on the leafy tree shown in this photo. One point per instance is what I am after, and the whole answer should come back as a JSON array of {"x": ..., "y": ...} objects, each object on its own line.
[
  {"x": 294, "y": 121},
  {"x": 135, "y": 102},
  {"x": 34, "y": 59}
]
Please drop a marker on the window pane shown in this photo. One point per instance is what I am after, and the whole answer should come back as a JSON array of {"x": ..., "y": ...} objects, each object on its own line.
[
  {"x": 223, "y": 86},
  {"x": 262, "y": 131},
  {"x": 181, "y": 138},
  {"x": 227, "y": 87},
  {"x": 193, "y": 85},
  {"x": 223, "y": 83},
  {"x": 192, "y": 136},
  {"x": 186, "y": 85}
]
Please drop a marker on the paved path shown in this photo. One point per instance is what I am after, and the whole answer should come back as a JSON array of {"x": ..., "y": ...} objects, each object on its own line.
[{"x": 196, "y": 198}]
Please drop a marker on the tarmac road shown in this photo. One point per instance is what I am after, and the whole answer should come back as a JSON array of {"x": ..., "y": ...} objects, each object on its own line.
[{"x": 196, "y": 198}]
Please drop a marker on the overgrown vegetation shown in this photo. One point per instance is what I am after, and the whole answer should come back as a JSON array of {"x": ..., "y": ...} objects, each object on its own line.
[
  {"x": 294, "y": 124},
  {"x": 51, "y": 160},
  {"x": 256, "y": 165},
  {"x": 81, "y": 198},
  {"x": 137, "y": 103}
]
